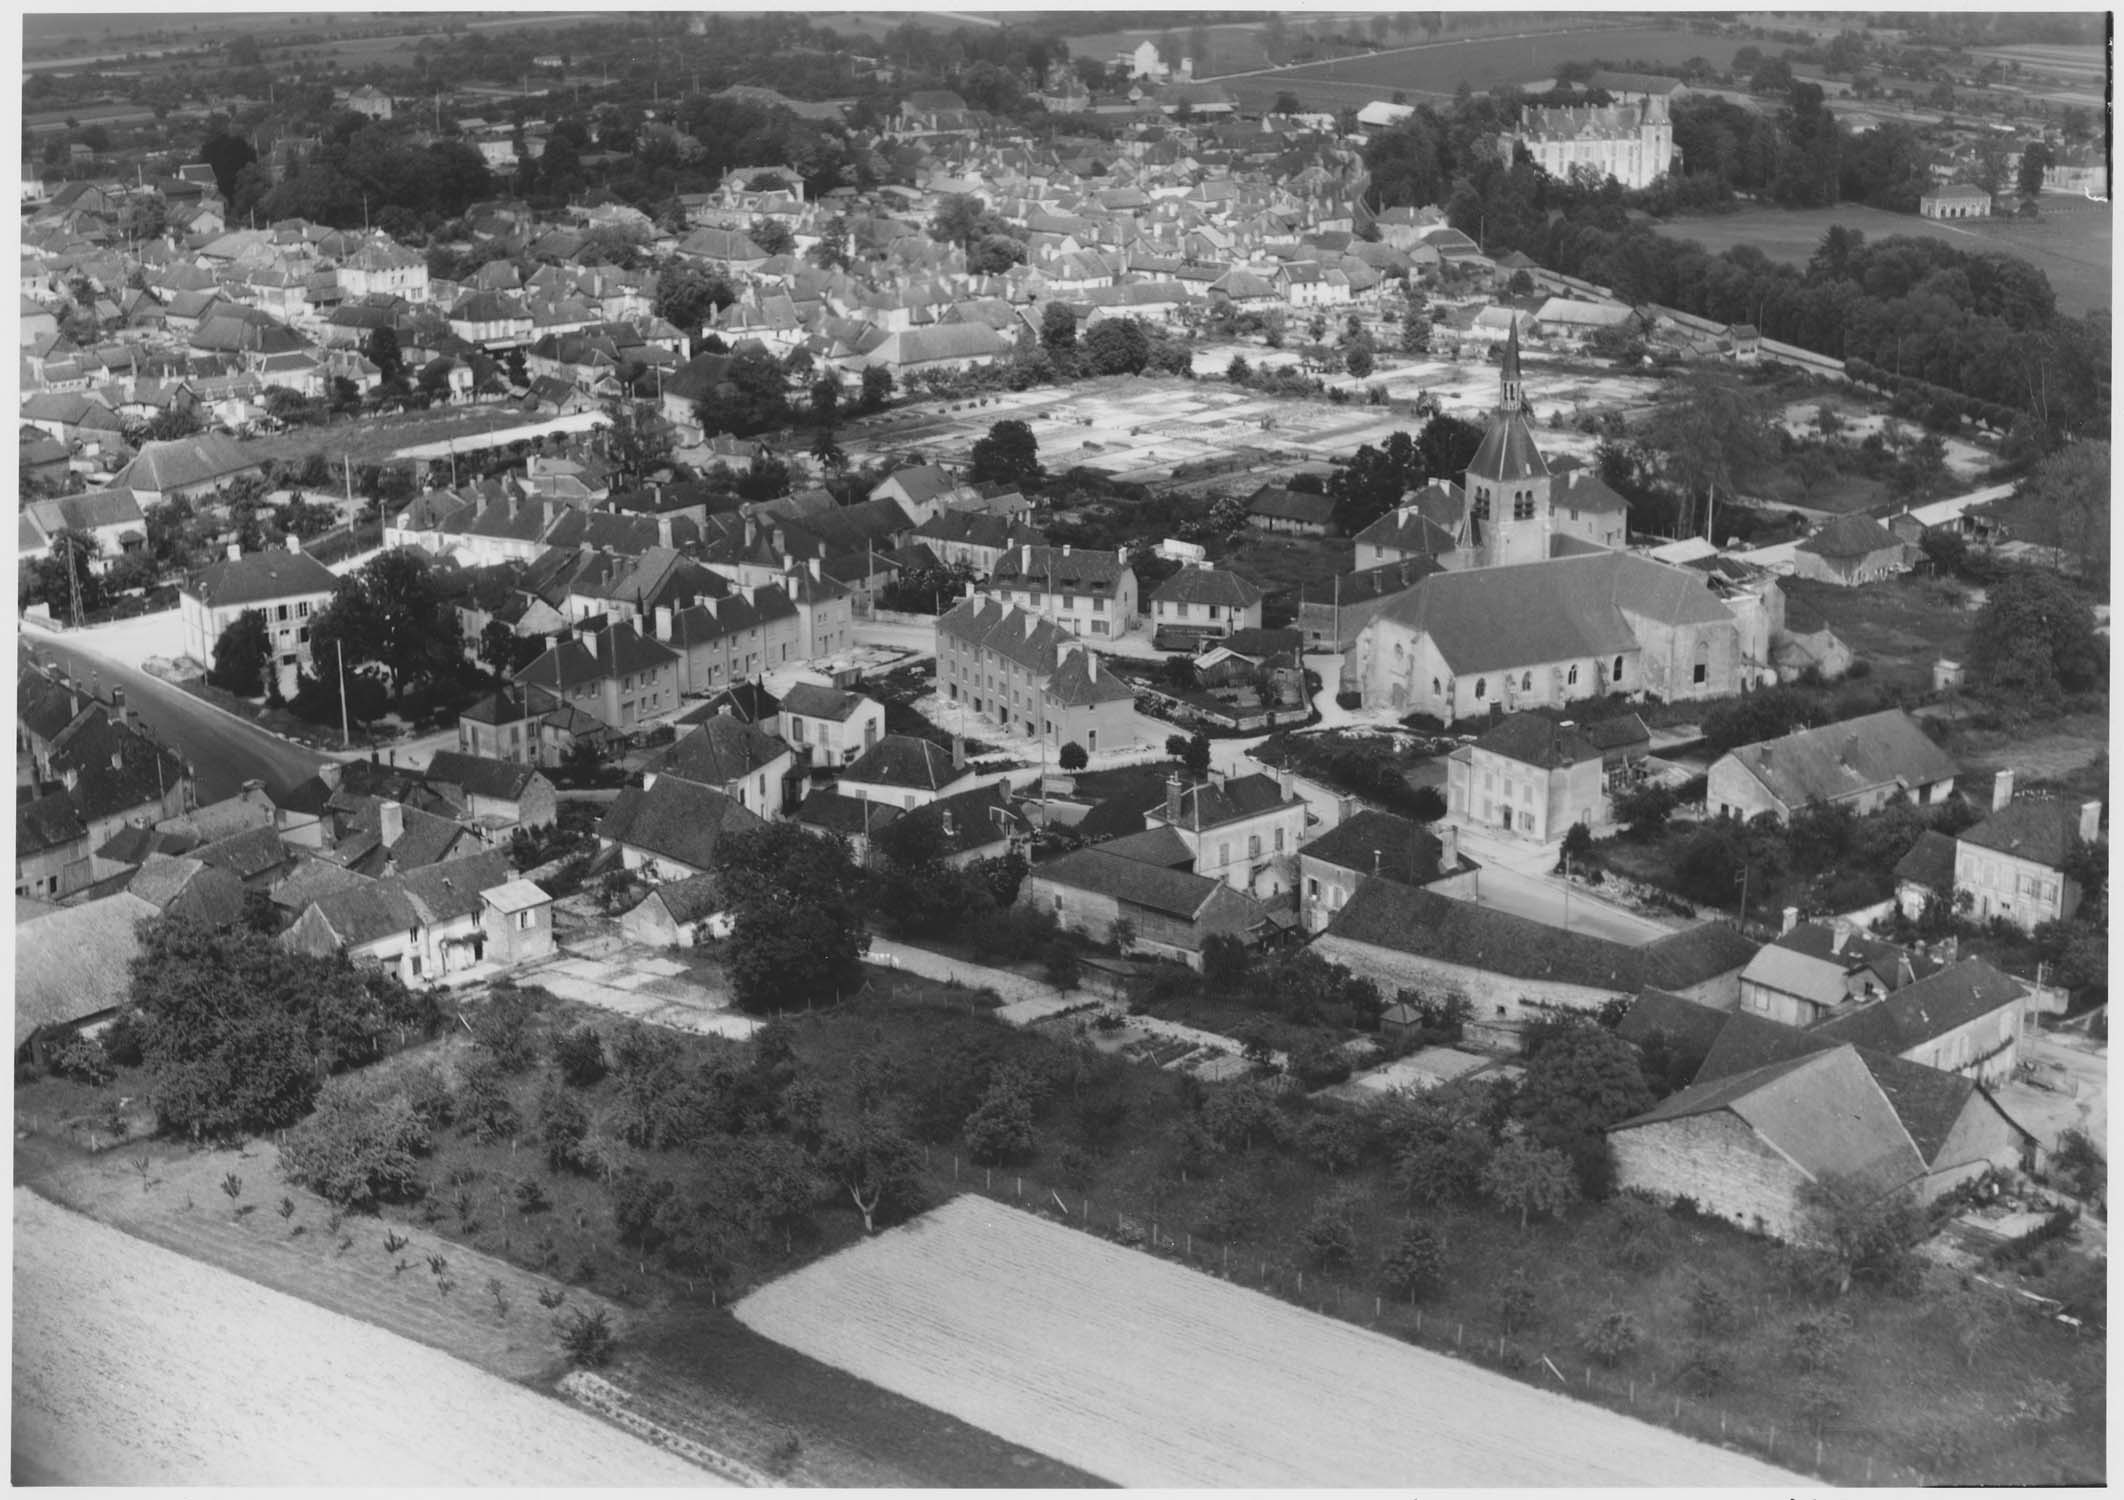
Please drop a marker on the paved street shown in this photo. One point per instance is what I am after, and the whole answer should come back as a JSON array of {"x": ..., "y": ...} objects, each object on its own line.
[{"x": 224, "y": 751}]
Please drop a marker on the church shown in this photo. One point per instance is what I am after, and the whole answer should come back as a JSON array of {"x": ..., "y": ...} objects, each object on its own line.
[{"x": 1535, "y": 603}]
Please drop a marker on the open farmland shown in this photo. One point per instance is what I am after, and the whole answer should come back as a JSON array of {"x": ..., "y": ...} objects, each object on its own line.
[
  {"x": 2070, "y": 243},
  {"x": 1438, "y": 69},
  {"x": 134, "y": 1365},
  {"x": 1151, "y": 1374}
]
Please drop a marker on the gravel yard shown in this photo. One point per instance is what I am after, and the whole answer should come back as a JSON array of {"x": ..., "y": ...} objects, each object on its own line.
[
  {"x": 1150, "y": 1374},
  {"x": 135, "y": 1365}
]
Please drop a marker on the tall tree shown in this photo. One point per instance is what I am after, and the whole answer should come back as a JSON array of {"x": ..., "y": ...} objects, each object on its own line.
[
  {"x": 243, "y": 655},
  {"x": 1010, "y": 454},
  {"x": 2034, "y": 641},
  {"x": 1713, "y": 436}
]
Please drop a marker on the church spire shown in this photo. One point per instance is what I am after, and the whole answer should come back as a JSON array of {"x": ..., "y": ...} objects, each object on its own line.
[{"x": 1510, "y": 398}]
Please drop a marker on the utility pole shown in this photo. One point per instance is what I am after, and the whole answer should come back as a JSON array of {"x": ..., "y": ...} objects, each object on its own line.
[{"x": 346, "y": 737}]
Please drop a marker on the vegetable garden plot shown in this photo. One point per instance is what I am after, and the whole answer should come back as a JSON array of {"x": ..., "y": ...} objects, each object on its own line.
[{"x": 1151, "y": 1374}]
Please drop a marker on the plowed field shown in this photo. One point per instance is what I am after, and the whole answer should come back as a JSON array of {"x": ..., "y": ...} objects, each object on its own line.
[
  {"x": 1153, "y": 1375},
  {"x": 134, "y": 1365}
]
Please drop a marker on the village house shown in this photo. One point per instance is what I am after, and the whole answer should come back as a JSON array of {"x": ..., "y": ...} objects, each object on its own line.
[
  {"x": 1814, "y": 970},
  {"x": 2012, "y": 864},
  {"x": 1288, "y": 512},
  {"x": 1370, "y": 845},
  {"x": 670, "y": 830},
  {"x": 827, "y": 726},
  {"x": 73, "y": 970},
  {"x": 1201, "y": 603},
  {"x": 421, "y": 925},
  {"x": 1861, "y": 763},
  {"x": 287, "y": 587},
  {"x": 676, "y": 914},
  {"x": 905, "y": 772},
  {"x": 517, "y": 921},
  {"x": 1528, "y": 776},
  {"x": 1243, "y": 830},
  {"x": 744, "y": 762},
  {"x": 498, "y": 793},
  {"x": 1851, "y": 549},
  {"x": 1172, "y": 913},
  {"x": 1966, "y": 1018}
]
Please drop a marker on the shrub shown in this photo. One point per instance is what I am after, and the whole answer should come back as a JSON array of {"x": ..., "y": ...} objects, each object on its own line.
[
  {"x": 563, "y": 1126},
  {"x": 428, "y": 1094},
  {"x": 1230, "y": 1210},
  {"x": 1062, "y": 964},
  {"x": 1705, "y": 1367},
  {"x": 1515, "y": 1301},
  {"x": 487, "y": 1112},
  {"x": 1711, "y": 1310},
  {"x": 1612, "y": 1336},
  {"x": 580, "y": 1056},
  {"x": 586, "y": 1338},
  {"x": 1330, "y": 1238},
  {"x": 1638, "y": 1235},
  {"x": 359, "y": 1146},
  {"x": 1000, "y": 1129},
  {"x": 504, "y": 1028},
  {"x": 83, "y": 1060},
  {"x": 1416, "y": 1265}
]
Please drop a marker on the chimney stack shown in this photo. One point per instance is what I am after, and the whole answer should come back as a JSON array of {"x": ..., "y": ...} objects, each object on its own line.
[
  {"x": 1174, "y": 790},
  {"x": 1791, "y": 919},
  {"x": 2001, "y": 790},
  {"x": 294, "y": 542},
  {"x": 390, "y": 823},
  {"x": 663, "y": 532},
  {"x": 1840, "y": 934},
  {"x": 1216, "y": 778},
  {"x": 663, "y": 622},
  {"x": 1448, "y": 848},
  {"x": 2090, "y": 821},
  {"x": 958, "y": 752},
  {"x": 235, "y": 551},
  {"x": 1905, "y": 976}
]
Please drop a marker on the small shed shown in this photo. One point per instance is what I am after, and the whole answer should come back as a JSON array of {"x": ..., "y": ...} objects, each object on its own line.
[
  {"x": 518, "y": 922},
  {"x": 1947, "y": 675},
  {"x": 673, "y": 914},
  {"x": 1400, "y": 1023}
]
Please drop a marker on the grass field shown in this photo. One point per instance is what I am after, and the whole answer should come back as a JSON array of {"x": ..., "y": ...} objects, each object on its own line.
[
  {"x": 1901, "y": 625},
  {"x": 1153, "y": 1374},
  {"x": 2070, "y": 244},
  {"x": 1438, "y": 69}
]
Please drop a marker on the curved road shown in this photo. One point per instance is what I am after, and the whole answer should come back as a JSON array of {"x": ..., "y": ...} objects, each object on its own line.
[{"x": 224, "y": 751}]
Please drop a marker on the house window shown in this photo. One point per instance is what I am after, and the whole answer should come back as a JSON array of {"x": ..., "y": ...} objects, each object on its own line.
[
  {"x": 1526, "y": 682},
  {"x": 1618, "y": 669},
  {"x": 1482, "y": 687},
  {"x": 1312, "y": 889},
  {"x": 280, "y": 613},
  {"x": 1224, "y": 852},
  {"x": 1253, "y": 846},
  {"x": 1279, "y": 841},
  {"x": 1703, "y": 661},
  {"x": 1571, "y": 678}
]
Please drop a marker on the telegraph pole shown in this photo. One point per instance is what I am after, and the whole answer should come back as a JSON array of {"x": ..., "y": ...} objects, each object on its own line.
[{"x": 346, "y": 737}]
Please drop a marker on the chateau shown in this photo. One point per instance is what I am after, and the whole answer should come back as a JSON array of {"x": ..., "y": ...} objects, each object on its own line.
[{"x": 1631, "y": 141}]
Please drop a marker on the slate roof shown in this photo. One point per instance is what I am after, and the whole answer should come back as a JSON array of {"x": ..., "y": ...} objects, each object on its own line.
[
  {"x": 452, "y": 889},
  {"x": 1033, "y": 642},
  {"x": 182, "y": 462},
  {"x": 76, "y": 962},
  {"x": 1205, "y": 805},
  {"x": 829, "y": 811},
  {"x": 1407, "y": 529},
  {"x": 50, "y": 822},
  {"x": 721, "y": 751},
  {"x": 1689, "y": 1028},
  {"x": 311, "y": 879},
  {"x": 676, "y": 820},
  {"x": 1696, "y": 954},
  {"x": 1508, "y": 453},
  {"x": 812, "y": 700},
  {"x": 1153, "y": 846},
  {"x": 481, "y": 775},
  {"x": 1076, "y": 570},
  {"x": 1822, "y": 1111},
  {"x": 245, "y": 855},
  {"x": 1378, "y": 843},
  {"x": 1563, "y": 609},
  {"x": 259, "y": 578},
  {"x": 620, "y": 651},
  {"x": 1843, "y": 760},
  {"x": 905, "y": 761},
  {"x": 1278, "y": 503},
  {"x": 361, "y": 914},
  {"x": 1932, "y": 1007},
  {"x": 2040, "y": 829},
  {"x": 1175, "y": 893},
  {"x": 689, "y": 900},
  {"x": 1410, "y": 920},
  {"x": 1532, "y": 740},
  {"x": 1930, "y": 862},
  {"x": 1853, "y": 534},
  {"x": 1197, "y": 585}
]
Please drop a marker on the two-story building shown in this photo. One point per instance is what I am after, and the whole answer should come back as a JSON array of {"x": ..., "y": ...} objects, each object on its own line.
[
  {"x": 1966, "y": 1019},
  {"x": 1369, "y": 845},
  {"x": 287, "y": 587},
  {"x": 498, "y": 793},
  {"x": 743, "y": 761},
  {"x": 671, "y": 830},
  {"x": 1203, "y": 603},
  {"x": 827, "y": 726},
  {"x": 1173, "y": 913},
  {"x": 905, "y": 772},
  {"x": 2012, "y": 864},
  {"x": 1242, "y": 830},
  {"x": 1528, "y": 776}
]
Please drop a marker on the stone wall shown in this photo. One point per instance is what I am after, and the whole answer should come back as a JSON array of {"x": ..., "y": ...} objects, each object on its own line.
[{"x": 1719, "y": 1161}]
